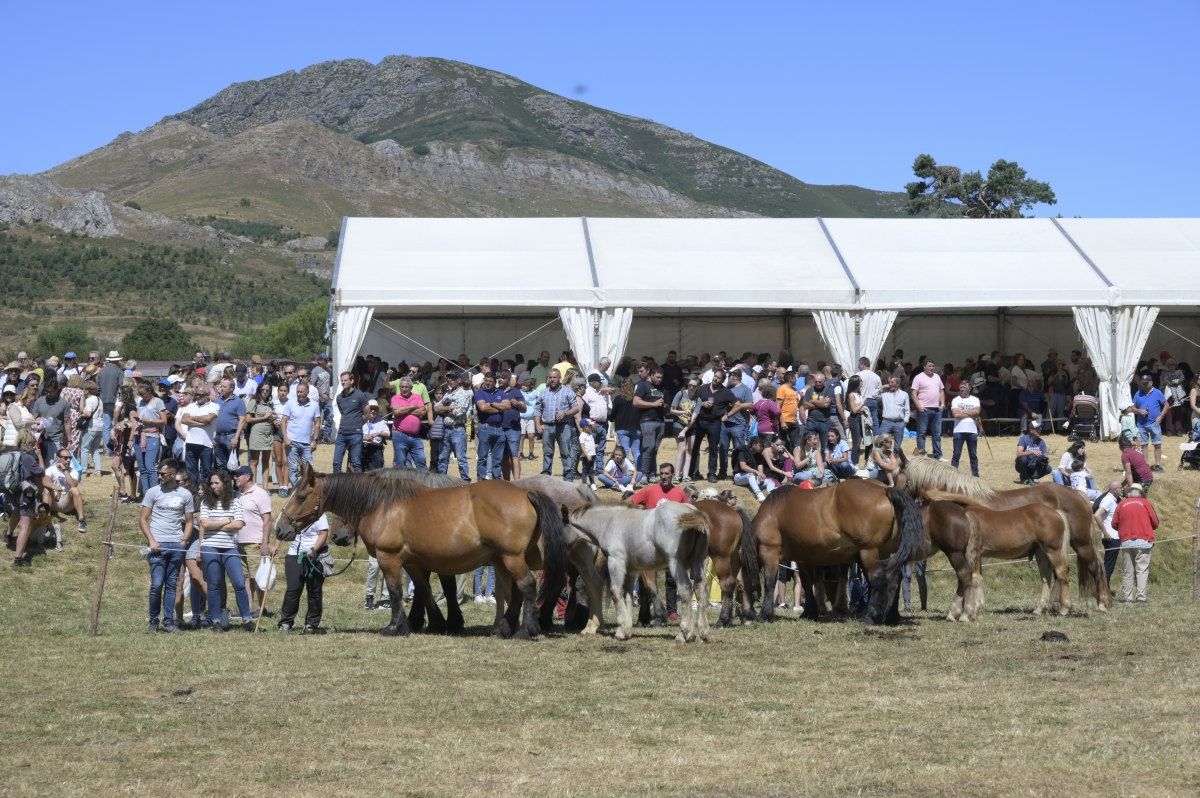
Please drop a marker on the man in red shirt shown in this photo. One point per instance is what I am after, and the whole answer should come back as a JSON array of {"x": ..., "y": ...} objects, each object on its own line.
[
  {"x": 650, "y": 497},
  {"x": 664, "y": 490},
  {"x": 1135, "y": 521}
]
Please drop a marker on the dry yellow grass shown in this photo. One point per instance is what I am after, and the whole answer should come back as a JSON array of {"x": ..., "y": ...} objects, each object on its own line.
[{"x": 930, "y": 708}]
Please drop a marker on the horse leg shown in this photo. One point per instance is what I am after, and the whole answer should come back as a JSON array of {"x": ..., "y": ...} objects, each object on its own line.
[
  {"x": 723, "y": 569},
  {"x": 585, "y": 562},
  {"x": 1046, "y": 599},
  {"x": 881, "y": 586},
  {"x": 683, "y": 584},
  {"x": 524, "y": 596},
  {"x": 841, "y": 602},
  {"x": 769, "y": 557},
  {"x": 621, "y": 583},
  {"x": 503, "y": 594},
  {"x": 699, "y": 602},
  {"x": 960, "y": 607},
  {"x": 814, "y": 601},
  {"x": 423, "y": 595},
  {"x": 454, "y": 616},
  {"x": 1062, "y": 577},
  {"x": 391, "y": 567},
  {"x": 893, "y": 614}
]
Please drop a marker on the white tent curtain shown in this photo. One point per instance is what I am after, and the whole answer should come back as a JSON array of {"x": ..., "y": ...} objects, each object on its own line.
[
  {"x": 350, "y": 328},
  {"x": 1114, "y": 338},
  {"x": 614, "y": 333},
  {"x": 837, "y": 328},
  {"x": 580, "y": 327}
]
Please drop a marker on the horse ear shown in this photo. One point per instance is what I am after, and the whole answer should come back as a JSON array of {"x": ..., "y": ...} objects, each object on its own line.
[{"x": 307, "y": 474}]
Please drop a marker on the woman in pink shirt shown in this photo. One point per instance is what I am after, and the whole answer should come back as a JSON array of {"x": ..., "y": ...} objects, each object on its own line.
[
  {"x": 408, "y": 409},
  {"x": 766, "y": 412}
]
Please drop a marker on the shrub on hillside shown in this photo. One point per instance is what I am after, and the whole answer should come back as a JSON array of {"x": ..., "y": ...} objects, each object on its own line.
[
  {"x": 297, "y": 335},
  {"x": 62, "y": 338},
  {"x": 158, "y": 339}
]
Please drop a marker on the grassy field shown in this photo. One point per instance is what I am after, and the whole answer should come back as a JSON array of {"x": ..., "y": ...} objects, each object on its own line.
[{"x": 928, "y": 708}]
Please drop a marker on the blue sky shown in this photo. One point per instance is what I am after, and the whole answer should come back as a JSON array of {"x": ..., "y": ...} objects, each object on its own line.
[{"x": 1098, "y": 98}]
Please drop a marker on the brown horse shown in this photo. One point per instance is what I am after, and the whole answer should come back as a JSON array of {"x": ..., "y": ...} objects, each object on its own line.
[
  {"x": 950, "y": 532},
  {"x": 730, "y": 542},
  {"x": 583, "y": 555},
  {"x": 856, "y": 519},
  {"x": 924, "y": 475},
  {"x": 406, "y": 525}
]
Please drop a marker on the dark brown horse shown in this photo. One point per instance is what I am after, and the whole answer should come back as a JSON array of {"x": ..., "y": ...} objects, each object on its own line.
[
  {"x": 857, "y": 519},
  {"x": 406, "y": 525},
  {"x": 926, "y": 475}
]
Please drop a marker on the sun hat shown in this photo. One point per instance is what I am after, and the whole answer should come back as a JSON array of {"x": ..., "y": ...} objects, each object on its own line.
[
  {"x": 256, "y": 360},
  {"x": 1135, "y": 488},
  {"x": 113, "y": 356},
  {"x": 52, "y": 362},
  {"x": 13, "y": 366},
  {"x": 373, "y": 404}
]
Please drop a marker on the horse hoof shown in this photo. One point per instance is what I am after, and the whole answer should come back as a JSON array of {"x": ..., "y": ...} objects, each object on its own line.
[
  {"x": 679, "y": 637},
  {"x": 621, "y": 634},
  {"x": 523, "y": 634},
  {"x": 503, "y": 630},
  {"x": 591, "y": 628},
  {"x": 455, "y": 627},
  {"x": 1101, "y": 608},
  {"x": 392, "y": 631}
]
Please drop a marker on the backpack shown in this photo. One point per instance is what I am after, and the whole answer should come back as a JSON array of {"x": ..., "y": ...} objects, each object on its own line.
[{"x": 10, "y": 472}]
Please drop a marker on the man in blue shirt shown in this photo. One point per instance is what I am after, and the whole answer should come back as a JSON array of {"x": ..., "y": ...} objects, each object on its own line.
[
  {"x": 231, "y": 418},
  {"x": 735, "y": 430},
  {"x": 490, "y": 403},
  {"x": 1149, "y": 407},
  {"x": 1033, "y": 456}
]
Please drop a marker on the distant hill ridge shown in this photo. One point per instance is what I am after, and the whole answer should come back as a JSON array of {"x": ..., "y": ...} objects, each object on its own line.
[{"x": 264, "y": 171}]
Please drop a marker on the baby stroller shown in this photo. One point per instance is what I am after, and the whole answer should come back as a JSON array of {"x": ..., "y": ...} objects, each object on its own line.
[
  {"x": 1191, "y": 456},
  {"x": 1084, "y": 422}
]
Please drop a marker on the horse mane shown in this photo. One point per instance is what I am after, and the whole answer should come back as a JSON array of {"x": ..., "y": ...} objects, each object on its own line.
[
  {"x": 430, "y": 479},
  {"x": 925, "y": 474},
  {"x": 962, "y": 500},
  {"x": 353, "y": 496}
]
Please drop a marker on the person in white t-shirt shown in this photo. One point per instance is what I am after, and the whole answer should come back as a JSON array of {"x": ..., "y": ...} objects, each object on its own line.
[
  {"x": 965, "y": 410},
  {"x": 305, "y": 573},
  {"x": 61, "y": 491},
  {"x": 92, "y": 444},
  {"x": 199, "y": 419},
  {"x": 1111, "y": 539}
]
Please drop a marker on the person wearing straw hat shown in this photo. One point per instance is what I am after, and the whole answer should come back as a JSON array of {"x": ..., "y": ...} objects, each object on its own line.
[
  {"x": 109, "y": 379},
  {"x": 1135, "y": 521}
]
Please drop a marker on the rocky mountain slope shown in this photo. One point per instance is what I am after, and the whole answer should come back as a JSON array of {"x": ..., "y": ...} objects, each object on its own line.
[{"x": 263, "y": 172}]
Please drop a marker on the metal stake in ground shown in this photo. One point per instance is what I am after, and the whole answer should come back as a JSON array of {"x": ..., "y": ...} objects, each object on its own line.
[
  {"x": 1195, "y": 550},
  {"x": 106, "y": 550}
]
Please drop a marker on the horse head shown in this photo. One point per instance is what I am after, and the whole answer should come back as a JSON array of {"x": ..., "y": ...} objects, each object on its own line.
[{"x": 304, "y": 505}]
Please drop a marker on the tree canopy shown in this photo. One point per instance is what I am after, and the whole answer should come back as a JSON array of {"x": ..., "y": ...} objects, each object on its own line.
[
  {"x": 158, "y": 339},
  {"x": 945, "y": 191},
  {"x": 297, "y": 335}
]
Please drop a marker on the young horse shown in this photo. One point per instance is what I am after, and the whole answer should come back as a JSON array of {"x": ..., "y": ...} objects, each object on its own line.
[
  {"x": 671, "y": 535},
  {"x": 950, "y": 532},
  {"x": 924, "y": 474},
  {"x": 406, "y": 525},
  {"x": 833, "y": 526},
  {"x": 730, "y": 541},
  {"x": 1030, "y": 530}
]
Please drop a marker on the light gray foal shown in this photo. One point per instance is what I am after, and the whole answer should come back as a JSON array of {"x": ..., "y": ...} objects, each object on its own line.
[{"x": 671, "y": 536}]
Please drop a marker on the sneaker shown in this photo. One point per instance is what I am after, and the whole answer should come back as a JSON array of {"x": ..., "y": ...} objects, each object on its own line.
[
  {"x": 798, "y": 608},
  {"x": 23, "y": 561},
  {"x": 760, "y": 496},
  {"x": 169, "y": 628},
  {"x": 152, "y": 629},
  {"x": 310, "y": 630},
  {"x": 283, "y": 493},
  {"x": 479, "y": 599},
  {"x": 369, "y": 604},
  {"x": 285, "y": 627},
  {"x": 1157, "y": 469},
  {"x": 781, "y": 605},
  {"x": 82, "y": 526},
  {"x": 384, "y": 604},
  {"x": 711, "y": 478},
  {"x": 686, "y": 479},
  {"x": 248, "y": 626}
]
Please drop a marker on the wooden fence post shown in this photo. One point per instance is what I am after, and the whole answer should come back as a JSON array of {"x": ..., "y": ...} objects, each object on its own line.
[{"x": 105, "y": 554}]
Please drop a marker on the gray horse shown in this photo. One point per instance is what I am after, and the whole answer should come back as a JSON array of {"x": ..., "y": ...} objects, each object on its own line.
[{"x": 671, "y": 536}]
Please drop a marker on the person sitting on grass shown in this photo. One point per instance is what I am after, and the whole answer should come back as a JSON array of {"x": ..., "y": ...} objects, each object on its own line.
[
  {"x": 837, "y": 457},
  {"x": 61, "y": 489},
  {"x": 1033, "y": 456},
  {"x": 884, "y": 463},
  {"x": 618, "y": 472},
  {"x": 749, "y": 468},
  {"x": 1133, "y": 462},
  {"x": 809, "y": 460}
]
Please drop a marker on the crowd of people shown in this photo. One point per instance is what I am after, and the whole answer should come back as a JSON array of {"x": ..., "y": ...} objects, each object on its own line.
[{"x": 230, "y": 427}]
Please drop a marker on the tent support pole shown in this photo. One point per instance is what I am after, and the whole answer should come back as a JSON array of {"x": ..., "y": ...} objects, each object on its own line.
[
  {"x": 787, "y": 330},
  {"x": 857, "y": 343},
  {"x": 1001, "y": 313},
  {"x": 1113, "y": 380}
]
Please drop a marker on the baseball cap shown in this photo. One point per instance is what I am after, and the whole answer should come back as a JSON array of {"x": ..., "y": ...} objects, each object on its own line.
[
  {"x": 70, "y": 356},
  {"x": 373, "y": 404},
  {"x": 10, "y": 388},
  {"x": 594, "y": 377},
  {"x": 166, "y": 383},
  {"x": 244, "y": 471}
]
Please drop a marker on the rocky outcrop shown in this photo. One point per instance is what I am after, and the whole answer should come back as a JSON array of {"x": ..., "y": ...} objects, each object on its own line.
[{"x": 30, "y": 199}]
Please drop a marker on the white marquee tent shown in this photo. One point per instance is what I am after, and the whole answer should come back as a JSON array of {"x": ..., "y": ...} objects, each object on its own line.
[{"x": 414, "y": 288}]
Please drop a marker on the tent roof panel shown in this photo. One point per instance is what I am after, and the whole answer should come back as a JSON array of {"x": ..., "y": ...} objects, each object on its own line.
[
  {"x": 929, "y": 263},
  {"x": 733, "y": 263},
  {"x": 1151, "y": 261}
]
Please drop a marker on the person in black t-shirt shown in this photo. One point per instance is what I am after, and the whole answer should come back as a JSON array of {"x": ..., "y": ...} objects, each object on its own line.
[
  {"x": 749, "y": 468},
  {"x": 672, "y": 374},
  {"x": 649, "y": 398},
  {"x": 708, "y": 423}
]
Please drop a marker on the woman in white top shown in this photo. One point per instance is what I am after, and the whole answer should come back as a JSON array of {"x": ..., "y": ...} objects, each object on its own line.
[
  {"x": 220, "y": 519},
  {"x": 152, "y": 418},
  {"x": 92, "y": 445},
  {"x": 305, "y": 573},
  {"x": 618, "y": 472}
]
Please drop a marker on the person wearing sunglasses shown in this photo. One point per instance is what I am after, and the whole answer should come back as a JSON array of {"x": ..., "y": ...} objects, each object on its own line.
[
  {"x": 61, "y": 489},
  {"x": 166, "y": 522}
]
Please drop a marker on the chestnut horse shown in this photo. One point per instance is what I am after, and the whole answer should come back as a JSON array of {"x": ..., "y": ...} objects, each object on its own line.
[
  {"x": 1032, "y": 530},
  {"x": 855, "y": 519},
  {"x": 406, "y": 525},
  {"x": 925, "y": 475},
  {"x": 730, "y": 542}
]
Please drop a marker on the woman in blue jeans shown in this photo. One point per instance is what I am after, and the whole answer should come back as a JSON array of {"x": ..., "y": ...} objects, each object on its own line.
[
  {"x": 152, "y": 417},
  {"x": 627, "y": 421},
  {"x": 220, "y": 520},
  {"x": 485, "y": 584}
]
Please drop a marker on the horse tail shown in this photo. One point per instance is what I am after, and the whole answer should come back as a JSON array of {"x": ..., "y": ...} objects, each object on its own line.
[
  {"x": 912, "y": 531},
  {"x": 749, "y": 549},
  {"x": 554, "y": 546}
]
